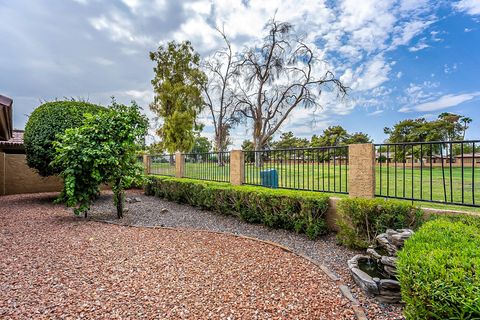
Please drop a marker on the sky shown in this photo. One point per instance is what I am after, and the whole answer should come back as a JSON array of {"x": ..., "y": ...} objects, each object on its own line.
[{"x": 400, "y": 58}]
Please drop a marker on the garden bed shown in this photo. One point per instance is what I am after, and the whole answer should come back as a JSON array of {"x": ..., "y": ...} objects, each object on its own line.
[
  {"x": 153, "y": 211},
  {"x": 55, "y": 265}
]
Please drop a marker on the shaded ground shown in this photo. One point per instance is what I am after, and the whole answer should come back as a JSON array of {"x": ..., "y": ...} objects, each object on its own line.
[
  {"x": 54, "y": 265},
  {"x": 153, "y": 211}
]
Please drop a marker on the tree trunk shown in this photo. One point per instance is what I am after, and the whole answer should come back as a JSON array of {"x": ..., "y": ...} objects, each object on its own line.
[
  {"x": 219, "y": 147},
  {"x": 119, "y": 198},
  {"x": 258, "y": 156}
]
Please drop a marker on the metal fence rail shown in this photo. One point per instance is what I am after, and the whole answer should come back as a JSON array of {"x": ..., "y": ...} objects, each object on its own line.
[
  {"x": 213, "y": 166},
  {"x": 316, "y": 169},
  {"x": 161, "y": 164},
  {"x": 442, "y": 172}
]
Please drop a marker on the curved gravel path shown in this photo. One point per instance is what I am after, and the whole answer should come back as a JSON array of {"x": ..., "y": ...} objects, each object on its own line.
[
  {"x": 153, "y": 211},
  {"x": 54, "y": 265}
]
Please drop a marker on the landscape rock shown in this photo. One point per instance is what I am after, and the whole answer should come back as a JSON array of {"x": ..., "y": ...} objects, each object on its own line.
[{"x": 385, "y": 290}]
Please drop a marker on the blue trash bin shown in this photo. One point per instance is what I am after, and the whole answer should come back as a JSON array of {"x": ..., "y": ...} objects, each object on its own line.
[{"x": 269, "y": 178}]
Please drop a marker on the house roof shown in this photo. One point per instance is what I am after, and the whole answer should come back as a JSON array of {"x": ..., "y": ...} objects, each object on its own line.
[
  {"x": 6, "y": 125},
  {"x": 14, "y": 143},
  {"x": 469, "y": 155}
]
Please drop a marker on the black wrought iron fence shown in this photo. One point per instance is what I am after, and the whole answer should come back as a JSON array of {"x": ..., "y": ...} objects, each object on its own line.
[
  {"x": 316, "y": 169},
  {"x": 443, "y": 171},
  {"x": 161, "y": 164},
  {"x": 213, "y": 166}
]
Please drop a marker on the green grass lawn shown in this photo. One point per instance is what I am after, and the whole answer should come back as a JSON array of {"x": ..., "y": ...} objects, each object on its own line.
[
  {"x": 425, "y": 184},
  {"x": 162, "y": 168},
  {"x": 332, "y": 179},
  {"x": 303, "y": 176}
]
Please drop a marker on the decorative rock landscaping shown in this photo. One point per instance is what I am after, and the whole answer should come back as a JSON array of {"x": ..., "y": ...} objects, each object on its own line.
[{"x": 57, "y": 266}]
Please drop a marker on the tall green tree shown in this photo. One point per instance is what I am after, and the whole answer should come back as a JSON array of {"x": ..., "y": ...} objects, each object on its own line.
[
  {"x": 102, "y": 150},
  {"x": 201, "y": 145},
  {"x": 288, "y": 141},
  {"x": 447, "y": 127},
  {"x": 330, "y": 137},
  {"x": 177, "y": 86},
  {"x": 358, "y": 137}
]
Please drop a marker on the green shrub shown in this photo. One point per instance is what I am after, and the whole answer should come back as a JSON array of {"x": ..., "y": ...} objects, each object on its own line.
[
  {"x": 439, "y": 271},
  {"x": 301, "y": 211},
  {"x": 101, "y": 151},
  {"x": 43, "y": 126},
  {"x": 361, "y": 220},
  {"x": 468, "y": 219}
]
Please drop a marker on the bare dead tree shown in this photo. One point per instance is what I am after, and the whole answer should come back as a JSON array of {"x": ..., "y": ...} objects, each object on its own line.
[
  {"x": 278, "y": 77},
  {"x": 220, "y": 92}
]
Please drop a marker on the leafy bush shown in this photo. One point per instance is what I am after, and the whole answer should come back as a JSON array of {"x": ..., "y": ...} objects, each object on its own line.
[
  {"x": 102, "y": 150},
  {"x": 438, "y": 270},
  {"x": 301, "y": 211},
  {"x": 468, "y": 219},
  {"x": 43, "y": 126},
  {"x": 361, "y": 220}
]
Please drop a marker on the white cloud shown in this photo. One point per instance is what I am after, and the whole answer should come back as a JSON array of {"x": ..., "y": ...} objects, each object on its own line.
[
  {"x": 376, "y": 113},
  {"x": 102, "y": 61},
  {"x": 119, "y": 28},
  {"x": 448, "y": 69},
  {"x": 419, "y": 46},
  {"x": 142, "y": 95},
  {"x": 147, "y": 8},
  {"x": 417, "y": 93},
  {"x": 445, "y": 101},
  {"x": 471, "y": 7}
]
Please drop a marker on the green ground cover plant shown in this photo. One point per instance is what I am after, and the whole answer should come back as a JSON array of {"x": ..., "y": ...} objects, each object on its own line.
[{"x": 439, "y": 270}]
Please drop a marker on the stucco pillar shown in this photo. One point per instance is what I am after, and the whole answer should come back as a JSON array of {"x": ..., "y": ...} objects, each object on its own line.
[
  {"x": 179, "y": 165},
  {"x": 147, "y": 160},
  {"x": 237, "y": 169},
  {"x": 361, "y": 173}
]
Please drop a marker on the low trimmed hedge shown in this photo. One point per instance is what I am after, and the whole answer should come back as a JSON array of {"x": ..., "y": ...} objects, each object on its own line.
[
  {"x": 439, "y": 270},
  {"x": 301, "y": 211},
  {"x": 361, "y": 220}
]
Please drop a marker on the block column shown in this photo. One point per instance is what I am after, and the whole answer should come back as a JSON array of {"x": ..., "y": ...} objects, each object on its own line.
[
  {"x": 179, "y": 165},
  {"x": 147, "y": 160},
  {"x": 237, "y": 168},
  {"x": 361, "y": 173}
]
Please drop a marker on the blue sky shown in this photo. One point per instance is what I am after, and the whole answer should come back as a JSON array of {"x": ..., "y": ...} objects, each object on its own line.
[{"x": 401, "y": 58}]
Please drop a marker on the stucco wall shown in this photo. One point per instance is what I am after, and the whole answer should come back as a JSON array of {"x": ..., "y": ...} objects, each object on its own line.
[{"x": 16, "y": 177}]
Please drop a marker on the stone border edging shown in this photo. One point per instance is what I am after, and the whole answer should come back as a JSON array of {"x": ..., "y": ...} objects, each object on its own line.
[{"x": 345, "y": 291}]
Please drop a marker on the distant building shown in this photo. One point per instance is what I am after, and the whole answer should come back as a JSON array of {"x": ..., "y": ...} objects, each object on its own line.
[
  {"x": 11, "y": 140},
  {"x": 468, "y": 158}
]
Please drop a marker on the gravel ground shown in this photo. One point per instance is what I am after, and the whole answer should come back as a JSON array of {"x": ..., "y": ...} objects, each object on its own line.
[
  {"x": 54, "y": 265},
  {"x": 152, "y": 211}
]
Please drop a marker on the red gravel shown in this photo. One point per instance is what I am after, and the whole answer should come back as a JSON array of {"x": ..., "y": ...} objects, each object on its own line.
[{"x": 54, "y": 265}]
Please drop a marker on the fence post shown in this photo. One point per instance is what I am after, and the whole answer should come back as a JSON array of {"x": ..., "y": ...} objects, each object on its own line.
[
  {"x": 237, "y": 169},
  {"x": 361, "y": 175},
  {"x": 146, "y": 164},
  {"x": 179, "y": 164}
]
